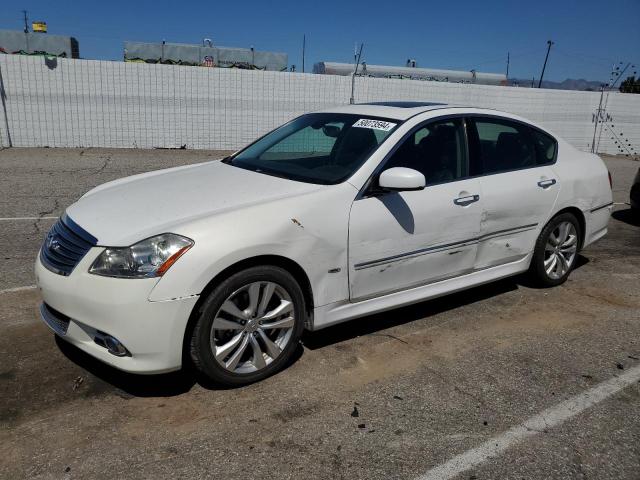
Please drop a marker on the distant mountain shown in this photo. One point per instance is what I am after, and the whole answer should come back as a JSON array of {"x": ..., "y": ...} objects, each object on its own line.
[{"x": 568, "y": 84}]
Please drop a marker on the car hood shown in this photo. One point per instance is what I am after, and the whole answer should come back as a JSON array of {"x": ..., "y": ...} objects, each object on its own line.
[{"x": 125, "y": 211}]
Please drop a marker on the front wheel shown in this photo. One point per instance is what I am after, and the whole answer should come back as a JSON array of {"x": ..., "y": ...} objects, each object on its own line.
[
  {"x": 249, "y": 326},
  {"x": 556, "y": 251}
]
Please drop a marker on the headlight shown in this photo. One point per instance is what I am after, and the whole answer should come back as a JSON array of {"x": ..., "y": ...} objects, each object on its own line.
[{"x": 149, "y": 258}]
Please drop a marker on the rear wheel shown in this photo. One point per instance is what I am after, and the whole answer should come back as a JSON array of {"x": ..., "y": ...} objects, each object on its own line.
[
  {"x": 556, "y": 250},
  {"x": 249, "y": 326}
]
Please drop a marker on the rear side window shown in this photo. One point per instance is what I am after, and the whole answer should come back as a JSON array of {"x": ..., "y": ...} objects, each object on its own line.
[
  {"x": 546, "y": 147},
  {"x": 501, "y": 146}
]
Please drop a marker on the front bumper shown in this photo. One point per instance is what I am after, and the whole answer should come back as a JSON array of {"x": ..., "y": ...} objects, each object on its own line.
[{"x": 91, "y": 306}]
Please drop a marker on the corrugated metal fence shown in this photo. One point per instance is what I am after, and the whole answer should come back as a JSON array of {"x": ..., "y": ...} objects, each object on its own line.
[{"x": 90, "y": 103}]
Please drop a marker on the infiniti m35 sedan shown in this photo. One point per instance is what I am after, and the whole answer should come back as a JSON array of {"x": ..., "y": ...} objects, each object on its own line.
[{"x": 330, "y": 217}]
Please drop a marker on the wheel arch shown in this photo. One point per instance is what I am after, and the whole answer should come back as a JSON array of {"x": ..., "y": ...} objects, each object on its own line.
[
  {"x": 285, "y": 263},
  {"x": 576, "y": 212}
]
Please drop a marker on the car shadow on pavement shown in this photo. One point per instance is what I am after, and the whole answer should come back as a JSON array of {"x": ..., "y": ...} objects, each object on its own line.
[
  {"x": 111, "y": 380},
  {"x": 525, "y": 281},
  {"x": 372, "y": 324},
  {"x": 162, "y": 385},
  {"x": 628, "y": 216},
  {"x": 125, "y": 384}
]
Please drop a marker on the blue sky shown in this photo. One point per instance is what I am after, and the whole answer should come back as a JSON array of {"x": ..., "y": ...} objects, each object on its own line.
[{"x": 589, "y": 36}]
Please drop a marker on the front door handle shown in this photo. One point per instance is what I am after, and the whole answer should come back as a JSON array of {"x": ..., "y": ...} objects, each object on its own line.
[
  {"x": 468, "y": 200},
  {"x": 546, "y": 183}
]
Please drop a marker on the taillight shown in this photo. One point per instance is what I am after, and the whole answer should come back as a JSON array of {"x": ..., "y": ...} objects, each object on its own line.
[{"x": 610, "y": 180}]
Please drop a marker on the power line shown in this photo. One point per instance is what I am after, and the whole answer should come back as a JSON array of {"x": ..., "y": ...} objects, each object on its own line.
[
  {"x": 583, "y": 58},
  {"x": 501, "y": 59}
]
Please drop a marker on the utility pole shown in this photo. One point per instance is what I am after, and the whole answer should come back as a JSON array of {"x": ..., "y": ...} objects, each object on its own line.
[
  {"x": 507, "y": 65},
  {"x": 26, "y": 29},
  {"x": 549, "y": 43},
  {"x": 357, "y": 55},
  {"x": 304, "y": 44},
  {"x": 26, "y": 21},
  {"x": 597, "y": 118}
]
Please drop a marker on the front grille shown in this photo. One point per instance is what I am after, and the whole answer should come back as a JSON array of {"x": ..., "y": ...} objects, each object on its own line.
[
  {"x": 65, "y": 245},
  {"x": 58, "y": 322}
]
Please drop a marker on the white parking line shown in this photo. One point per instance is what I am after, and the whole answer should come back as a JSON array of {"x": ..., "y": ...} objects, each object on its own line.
[
  {"x": 17, "y": 289},
  {"x": 11, "y": 219},
  {"x": 549, "y": 418}
]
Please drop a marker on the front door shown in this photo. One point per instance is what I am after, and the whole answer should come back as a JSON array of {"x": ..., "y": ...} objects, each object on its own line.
[{"x": 400, "y": 240}]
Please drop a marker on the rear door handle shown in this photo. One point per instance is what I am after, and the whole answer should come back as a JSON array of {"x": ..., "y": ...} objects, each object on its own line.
[
  {"x": 546, "y": 183},
  {"x": 468, "y": 200}
]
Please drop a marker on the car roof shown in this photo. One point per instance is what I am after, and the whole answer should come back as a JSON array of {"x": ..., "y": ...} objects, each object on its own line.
[{"x": 403, "y": 110}]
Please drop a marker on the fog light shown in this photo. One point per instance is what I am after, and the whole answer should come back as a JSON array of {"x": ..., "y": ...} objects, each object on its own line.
[
  {"x": 112, "y": 344},
  {"x": 115, "y": 347}
]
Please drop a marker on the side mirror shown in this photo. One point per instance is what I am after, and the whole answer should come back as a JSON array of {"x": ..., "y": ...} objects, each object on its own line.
[{"x": 400, "y": 179}]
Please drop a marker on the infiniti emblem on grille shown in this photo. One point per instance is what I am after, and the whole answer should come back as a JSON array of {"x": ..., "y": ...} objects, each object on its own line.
[{"x": 52, "y": 243}]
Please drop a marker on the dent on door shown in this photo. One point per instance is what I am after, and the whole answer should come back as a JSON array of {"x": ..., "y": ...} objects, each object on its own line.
[
  {"x": 516, "y": 207},
  {"x": 399, "y": 241}
]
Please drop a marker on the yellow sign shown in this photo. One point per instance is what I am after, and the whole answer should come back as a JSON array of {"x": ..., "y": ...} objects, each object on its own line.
[{"x": 39, "y": 27}]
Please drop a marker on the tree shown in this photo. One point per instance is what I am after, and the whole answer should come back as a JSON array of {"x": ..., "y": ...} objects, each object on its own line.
[{"x": 630, "y": 85}]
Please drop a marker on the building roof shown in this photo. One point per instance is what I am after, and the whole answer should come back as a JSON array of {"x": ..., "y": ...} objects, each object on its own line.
[
  {"x": 403, "y": 104},
  {"x": 398, "y": 110}
]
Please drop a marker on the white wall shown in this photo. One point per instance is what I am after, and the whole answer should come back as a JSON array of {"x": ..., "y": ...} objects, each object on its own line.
[{"x": 90, "y": 103}]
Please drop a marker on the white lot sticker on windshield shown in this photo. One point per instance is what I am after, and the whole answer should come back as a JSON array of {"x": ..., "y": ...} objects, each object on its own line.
[{"x": 375, "y": 124}]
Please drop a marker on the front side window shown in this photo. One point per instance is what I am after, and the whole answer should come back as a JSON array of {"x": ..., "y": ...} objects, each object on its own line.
[
  {"x": 437, "y": 150},
  {"x": 324, "y": 148},
  {"x": 501, "y": 145}
]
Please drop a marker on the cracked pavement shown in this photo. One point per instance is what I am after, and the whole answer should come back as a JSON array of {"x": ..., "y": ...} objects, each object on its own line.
[
  {"x": 41, "y": 182},
  {"x": 429, "y": 381}
]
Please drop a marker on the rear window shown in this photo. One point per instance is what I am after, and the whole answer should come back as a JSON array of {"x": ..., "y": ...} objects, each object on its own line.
[{"x": 504, "y": 145}]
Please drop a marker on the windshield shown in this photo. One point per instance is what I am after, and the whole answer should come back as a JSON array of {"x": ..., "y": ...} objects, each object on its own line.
[{"x": 325, "y": 148}]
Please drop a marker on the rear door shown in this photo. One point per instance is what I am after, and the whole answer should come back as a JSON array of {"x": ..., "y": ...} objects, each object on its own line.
[{"x": 513, "y": 163}]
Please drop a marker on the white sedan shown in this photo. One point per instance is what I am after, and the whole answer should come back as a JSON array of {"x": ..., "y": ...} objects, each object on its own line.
[{"x": 335, "y": 215}]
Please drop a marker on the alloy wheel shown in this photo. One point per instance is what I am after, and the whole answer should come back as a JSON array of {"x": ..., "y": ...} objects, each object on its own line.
[
  {"x": 560, "y": 250},
  {"x": 252, "y": 327}
]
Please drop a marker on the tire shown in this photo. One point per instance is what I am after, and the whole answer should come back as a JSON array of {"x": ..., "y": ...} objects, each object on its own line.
[
  {"x": 252, "y": 351},
  {"x": 544, "y": 270}
]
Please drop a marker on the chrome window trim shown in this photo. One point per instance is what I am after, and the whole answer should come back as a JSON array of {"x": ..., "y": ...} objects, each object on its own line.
[{"x": 469, "y": 119}]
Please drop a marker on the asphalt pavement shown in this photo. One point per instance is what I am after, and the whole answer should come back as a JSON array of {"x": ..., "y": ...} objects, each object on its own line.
[{"x": 545, "y": 380}]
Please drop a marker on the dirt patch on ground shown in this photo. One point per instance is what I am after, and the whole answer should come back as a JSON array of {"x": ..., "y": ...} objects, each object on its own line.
[
  {"x": 616, "y": 299},
  {"x": 501, "y": 330}
]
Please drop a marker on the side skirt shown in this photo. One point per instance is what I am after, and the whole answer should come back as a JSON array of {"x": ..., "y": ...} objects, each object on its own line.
[{"x": 339, "y": 312}]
